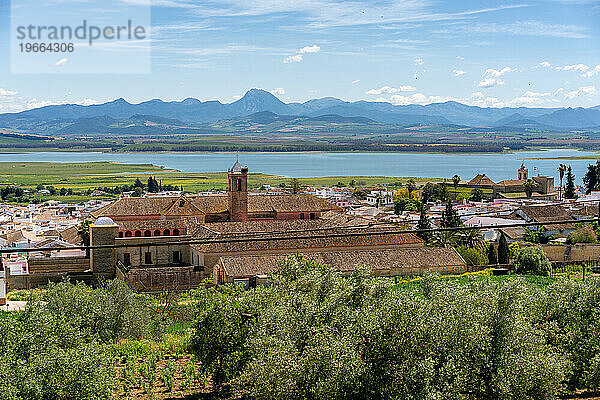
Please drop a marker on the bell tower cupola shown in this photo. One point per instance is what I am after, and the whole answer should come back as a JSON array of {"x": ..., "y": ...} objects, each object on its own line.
[{"x": 237, "y": 193}]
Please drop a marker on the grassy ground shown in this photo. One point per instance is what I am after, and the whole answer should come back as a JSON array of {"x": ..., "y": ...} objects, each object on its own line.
[{"x": 84, "y": 176}]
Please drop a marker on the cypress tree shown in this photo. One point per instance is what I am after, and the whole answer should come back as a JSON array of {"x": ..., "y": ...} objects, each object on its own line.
[
  {"x": 450, "y": 218},
  {"x": 424, "y": 224},
  {"x": 591, "y": 178},
  {"x": 492, "y": 256},
  {"x": 503, "y": 251},
  {"x": 570, "y": 187}
]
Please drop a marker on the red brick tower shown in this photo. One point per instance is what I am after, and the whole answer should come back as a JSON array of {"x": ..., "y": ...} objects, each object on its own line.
[{"x": 237, "y": 194}]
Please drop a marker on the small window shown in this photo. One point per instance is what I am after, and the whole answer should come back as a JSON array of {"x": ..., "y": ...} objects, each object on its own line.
[
  {"x": 181, "y": 203},
  {"x": 138, "y": 233},
  {"x": 313, "y": 216},
  {"x": 301, "y": 215},
  {"x": 239, "y": 185},
  {"x": 176, "y": 257},
  {"x": 128, "y": 234},
  {"x": 175, "y": 232},
  {"x": 148, "y": 258},
  {"x": 147, "y": 233},
  {"x": 121, "y": 234},
  {"x": 157, "y": 233},
  {"x": 167, "y": 232},
  {"x": 127, "y": 259}
]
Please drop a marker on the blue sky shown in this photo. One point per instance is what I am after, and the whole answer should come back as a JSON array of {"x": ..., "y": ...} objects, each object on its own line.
[{"x": 542, "y": 53}]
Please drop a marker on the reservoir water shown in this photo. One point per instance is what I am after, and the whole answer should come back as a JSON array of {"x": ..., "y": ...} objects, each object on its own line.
[{"x": 496, "y": 166}]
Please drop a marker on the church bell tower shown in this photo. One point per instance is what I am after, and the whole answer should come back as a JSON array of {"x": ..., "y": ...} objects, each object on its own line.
[
  {"x": 237, "y": 193},
  {"x": 523, "y": 173}
]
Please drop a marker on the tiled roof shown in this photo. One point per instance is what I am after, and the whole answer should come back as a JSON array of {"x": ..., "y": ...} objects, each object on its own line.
[
  {"x": 307, "y": 240},
  {"x": 289, "y": 203},
  {"x": 546, "y": 213},
  {"x": 329, "y": 219},
  {"x": 135, "y": 206},
  {"x": 150, "y": 224},
  {"x": 71, "y": 235},
  {"x": 481, "y": 179},
  {"x": 512, "y": 182},
  {"x": 195, "y": 205},
  {"x": 585, "y": 211},
  {"x": 393, "y": 261},
  {"x": 514, "y": 233}
]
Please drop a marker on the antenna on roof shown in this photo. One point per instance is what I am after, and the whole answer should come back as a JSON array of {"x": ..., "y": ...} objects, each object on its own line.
[{"x": 237, "y": 156}]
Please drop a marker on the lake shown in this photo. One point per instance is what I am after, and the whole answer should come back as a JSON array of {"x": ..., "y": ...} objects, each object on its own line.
[{"x": 496, "y": 166}]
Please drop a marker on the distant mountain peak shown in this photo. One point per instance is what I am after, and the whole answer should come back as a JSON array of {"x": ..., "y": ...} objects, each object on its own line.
[{"x": 256, "y": 100}]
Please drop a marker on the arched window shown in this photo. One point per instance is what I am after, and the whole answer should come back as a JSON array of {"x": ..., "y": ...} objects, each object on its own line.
[
  {"x": 175, "y": 232},
  {"x": 167, "y": 233},
  {"x": 128, "y": 234},
  {"x": 301, "y": 215},
  {"x": 138, "y": 233},
  {"x": 120, "y": 234},
  {"x": 239, "y": 185},
  {"x": 157, "y": 233},
  {"x": 147, "y": 233}
]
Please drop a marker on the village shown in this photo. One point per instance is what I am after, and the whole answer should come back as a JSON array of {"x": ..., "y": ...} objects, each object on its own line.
[{"x": 339, "y": 226}]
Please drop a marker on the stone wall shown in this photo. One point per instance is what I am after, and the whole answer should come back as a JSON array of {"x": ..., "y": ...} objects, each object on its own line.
[
  {"x": 572, "y": 253},
  {"x": 161, "y": 279},
  {"x": 53, "y": 269}
]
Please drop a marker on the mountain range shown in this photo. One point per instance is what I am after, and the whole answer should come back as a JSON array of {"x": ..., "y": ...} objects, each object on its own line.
[{"x": 73, "y": 118}]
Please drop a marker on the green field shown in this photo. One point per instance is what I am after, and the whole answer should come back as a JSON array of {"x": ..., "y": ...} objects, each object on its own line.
[{"x": 83, "y": 176}]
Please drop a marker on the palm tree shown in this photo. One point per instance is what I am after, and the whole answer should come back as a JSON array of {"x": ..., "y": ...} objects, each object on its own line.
[
  {"x": 562, "y": 168},
  {"x": 455, "y": 182},
  {"x": 471, "y": 238},
  {"x": 445, "y": 239},
  {"x": 529, "y": 186}
]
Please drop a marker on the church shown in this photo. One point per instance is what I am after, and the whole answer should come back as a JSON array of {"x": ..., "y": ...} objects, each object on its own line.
[{"x": 179, "y": 242}]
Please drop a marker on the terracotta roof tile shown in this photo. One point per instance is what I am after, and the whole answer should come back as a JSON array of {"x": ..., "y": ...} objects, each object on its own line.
[{"x": 391, "y": 261}]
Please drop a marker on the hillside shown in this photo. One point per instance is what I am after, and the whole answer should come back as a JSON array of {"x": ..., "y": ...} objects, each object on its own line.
[{"x": 261, "y": 107}]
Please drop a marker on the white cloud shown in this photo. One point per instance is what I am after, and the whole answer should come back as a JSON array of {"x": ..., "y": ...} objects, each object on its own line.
[
  {"x": 292, "y": 59},
  {"x": 558, "y": 92},
  {"x": 309, "y": 49},
  {"x": 88, "y": 102},
  {"x": 458, "y": 72},
  {"x": 391, "y": 90},
  {"x": 278, "y": 91},
  {"x": 61, "y": 63},
  {"x": 7, "y": 93},
  {"x": 592, "y": 72},
  {"x": 574, "y": 67},
  {"x": 299, "y": 54},
  {"x": 530, "y": 28},
  {"x": 354, "y": 82},
  {"x": 545, "y": 64},
  {"x": 460, "y": 58},
  {"x": 332, "y": 13},
  {"x": 480, "y": 100},
  {"x": 581, "y": 92},
  {"x": 419, "y": 61},
  {"x": 530, "y": 98},
  {"x": 491, "y": 77},
  {"x": 417, "y": 98}
]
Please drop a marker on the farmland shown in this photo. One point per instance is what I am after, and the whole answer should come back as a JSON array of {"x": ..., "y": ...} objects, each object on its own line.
[
  {"x": 83, "y": 176},
  {"x": 435, "y": 335}
]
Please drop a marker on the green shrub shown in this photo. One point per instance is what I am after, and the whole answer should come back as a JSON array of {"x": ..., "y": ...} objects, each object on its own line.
[
  {"x": 59, "y": 347},
  {"x": 583, "y": 234},
  {"x": 532, "y": 260},
  {"x": 473, "y": 256}
]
